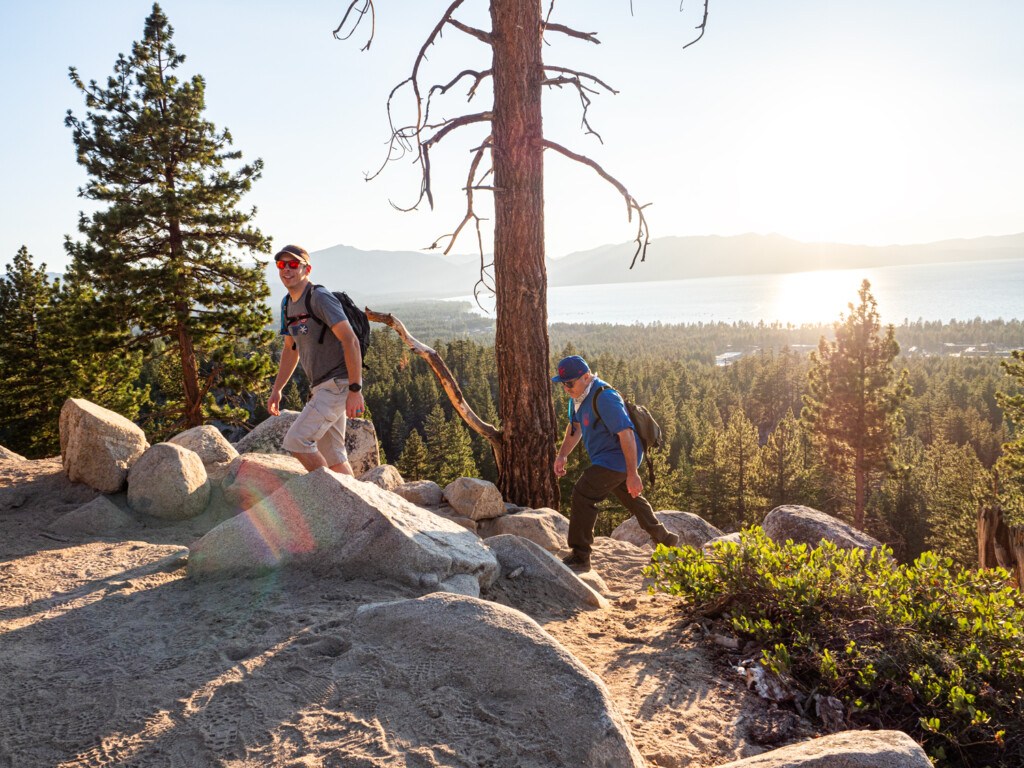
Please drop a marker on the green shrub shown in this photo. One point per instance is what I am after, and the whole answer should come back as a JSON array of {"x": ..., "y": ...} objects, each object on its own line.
[{"x": 923, "y": 648}]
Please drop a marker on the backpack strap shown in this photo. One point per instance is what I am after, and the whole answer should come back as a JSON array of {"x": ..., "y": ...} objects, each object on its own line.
[
  {"x": 597, "y": 394},
  {"x": 311, "y": 313},
  {"x": 284, "y": 314}
]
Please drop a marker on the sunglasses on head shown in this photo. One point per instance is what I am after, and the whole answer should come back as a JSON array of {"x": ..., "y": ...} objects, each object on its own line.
[{"x": 292, "y": 264}]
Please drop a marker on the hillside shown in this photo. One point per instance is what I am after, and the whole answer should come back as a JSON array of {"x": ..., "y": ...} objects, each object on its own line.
[{"x": 406, "y": 275}]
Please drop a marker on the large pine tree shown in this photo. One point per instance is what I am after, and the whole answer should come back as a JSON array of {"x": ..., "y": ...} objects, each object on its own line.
[
  {"x": 163, "y": 250},
  {"x": 854, "y": 397}
]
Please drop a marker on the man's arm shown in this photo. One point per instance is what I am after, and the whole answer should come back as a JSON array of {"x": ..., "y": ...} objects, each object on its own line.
[
  {"x": 570, "y": 441},
  {"x": 285, "y": 369},
  {"x": 354, "y": 404},
  {"x": 627, "y": 442}
]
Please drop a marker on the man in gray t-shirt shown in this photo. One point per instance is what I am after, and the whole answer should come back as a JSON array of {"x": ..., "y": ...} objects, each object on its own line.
[{"x": 333, "y": 367}]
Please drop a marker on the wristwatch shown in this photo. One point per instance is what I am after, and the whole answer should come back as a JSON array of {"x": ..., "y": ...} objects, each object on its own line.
[{"x": 354, "y": 387}]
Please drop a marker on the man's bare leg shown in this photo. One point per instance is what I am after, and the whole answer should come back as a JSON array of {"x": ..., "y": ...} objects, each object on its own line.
[
  {"x": 311, "y": 461},
  {"x": 316, "y": 460}
]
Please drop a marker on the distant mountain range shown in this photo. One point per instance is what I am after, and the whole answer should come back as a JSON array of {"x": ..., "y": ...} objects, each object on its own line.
[{"x": 406, "y": 275}]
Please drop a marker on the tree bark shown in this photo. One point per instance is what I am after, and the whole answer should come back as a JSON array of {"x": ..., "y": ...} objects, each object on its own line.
[{"x": 525, "y": 474}]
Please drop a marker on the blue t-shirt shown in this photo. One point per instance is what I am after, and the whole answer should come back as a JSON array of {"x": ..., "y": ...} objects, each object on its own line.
[{"x": 601, "y": 436}]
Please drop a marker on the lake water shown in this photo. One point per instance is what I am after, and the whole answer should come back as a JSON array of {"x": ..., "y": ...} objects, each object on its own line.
[{"x": 990, "y": 290}]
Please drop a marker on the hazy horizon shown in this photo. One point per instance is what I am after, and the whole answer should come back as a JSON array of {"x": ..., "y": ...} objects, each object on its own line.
[{"x": 870, "y": 124}]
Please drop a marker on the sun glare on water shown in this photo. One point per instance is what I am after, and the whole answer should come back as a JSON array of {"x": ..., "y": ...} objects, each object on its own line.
[{"x": 814, "y": 297}]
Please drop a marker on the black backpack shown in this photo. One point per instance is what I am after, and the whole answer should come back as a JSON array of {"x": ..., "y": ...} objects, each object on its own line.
[
  {"x": 646, "y": 427},
  {"x": 356, "y": 318}
]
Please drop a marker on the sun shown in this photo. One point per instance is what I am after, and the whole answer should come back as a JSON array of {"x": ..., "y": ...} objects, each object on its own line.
[{"x": 810, "y": 297}]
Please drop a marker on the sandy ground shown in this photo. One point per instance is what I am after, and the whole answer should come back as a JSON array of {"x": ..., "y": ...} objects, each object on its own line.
[{"x": 110, "y": 656}]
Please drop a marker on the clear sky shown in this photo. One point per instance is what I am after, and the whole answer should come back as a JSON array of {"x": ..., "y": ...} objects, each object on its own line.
[{"x": 867, "y": 121}]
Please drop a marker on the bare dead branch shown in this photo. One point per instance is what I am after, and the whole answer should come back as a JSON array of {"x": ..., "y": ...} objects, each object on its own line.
[
  {"x": 575, "y": 79},
  {"x": 702, "y": 26},
  {"x": 582, "y": 76},
  {"x": 404, "y": 138},
  {"x": 457, "y": 122},
  {"x": 425, "y": 146},
  {"x": 360, "y": 12},
  {"x": 590, "y": 37},
  {"x": 478, "y": 77},
  {"x": 470, "y": 212},
  {"x": 451, "y": 387},
  {"x": 479, "y": 34},
  {"x": 643, "y": 232}
]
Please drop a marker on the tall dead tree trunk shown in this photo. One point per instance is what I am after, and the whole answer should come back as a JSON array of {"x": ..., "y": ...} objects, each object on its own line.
[
  {"x": 520, "y": 277},
  {"x": 1000, "y": 545}
]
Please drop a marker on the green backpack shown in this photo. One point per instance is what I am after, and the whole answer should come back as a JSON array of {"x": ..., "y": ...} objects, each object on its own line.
[{"x": 647, "y": 429}]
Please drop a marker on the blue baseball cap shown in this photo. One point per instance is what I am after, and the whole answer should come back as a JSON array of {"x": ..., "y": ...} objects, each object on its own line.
[{"x": 570, "y": 368}]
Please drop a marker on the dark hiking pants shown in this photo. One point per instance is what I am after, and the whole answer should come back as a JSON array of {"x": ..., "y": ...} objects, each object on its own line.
[{"x": 594, "y": 486}]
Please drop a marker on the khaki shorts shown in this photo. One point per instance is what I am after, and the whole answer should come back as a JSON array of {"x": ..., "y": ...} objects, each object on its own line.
[{"x": 321, "y": 425}]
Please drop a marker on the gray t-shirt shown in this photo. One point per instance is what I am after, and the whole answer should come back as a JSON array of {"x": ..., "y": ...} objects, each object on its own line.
[{"x": 320, "y": 361}]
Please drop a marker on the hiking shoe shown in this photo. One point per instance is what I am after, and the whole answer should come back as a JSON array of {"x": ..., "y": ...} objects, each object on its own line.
[
  {"x": 577, "y": 563},
  {"x": 672, "y": 540}
]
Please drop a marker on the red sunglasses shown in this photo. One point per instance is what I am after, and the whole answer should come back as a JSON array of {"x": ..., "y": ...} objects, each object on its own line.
[{"x": 293, "y": 264}]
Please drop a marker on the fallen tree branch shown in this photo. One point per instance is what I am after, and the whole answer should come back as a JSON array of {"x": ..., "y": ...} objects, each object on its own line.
[{"x": 451, "y": 387}]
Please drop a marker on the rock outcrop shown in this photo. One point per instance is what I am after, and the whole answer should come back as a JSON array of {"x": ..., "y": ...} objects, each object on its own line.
[
  {"x": 692, "y": 529},
  {"x": 385, "y": 476},
  {"x": 523, "y": 687},
  {"x": 325, "y": 520},
  {"x": 804, "y": 525},
  {"x": 208, "y": 443},
  {"x": 252, "y": 477},
  {"x": 98, "y": 517},
  {"x": 169, "y": 482},
  {"x": 8, "y": 455},
  {"x": 543, "y": 526},
  {"x": 474, "y": 498},
  {"x": 529, "y": 566},
  {"x": 422, "y": 493},
  {"x": 850, "y": 749},
  {"x": 98, "y": 446}
]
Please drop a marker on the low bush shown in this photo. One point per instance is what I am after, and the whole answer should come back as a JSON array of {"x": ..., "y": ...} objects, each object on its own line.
[{"x": 924, "y": 648}]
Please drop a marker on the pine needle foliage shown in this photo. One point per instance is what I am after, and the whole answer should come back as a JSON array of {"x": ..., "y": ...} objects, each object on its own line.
[
  {"x": 44, "y": 360},
  {"x": 162, "y": 249}
]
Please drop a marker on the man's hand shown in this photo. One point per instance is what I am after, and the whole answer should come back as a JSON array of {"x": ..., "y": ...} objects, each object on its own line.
[
  {"x": 274, "y": 402},
  {"x": 559, "y": 466},
  {"x": 354, "y": 405},
  {"x": 634, "y": 484}
]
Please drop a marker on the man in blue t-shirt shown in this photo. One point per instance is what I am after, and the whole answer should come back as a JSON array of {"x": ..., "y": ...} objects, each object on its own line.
[{"x": 615, "y": 453}]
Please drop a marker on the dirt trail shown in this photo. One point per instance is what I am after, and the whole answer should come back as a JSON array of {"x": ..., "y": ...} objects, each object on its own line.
[{"x": 110, "y": 656}]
